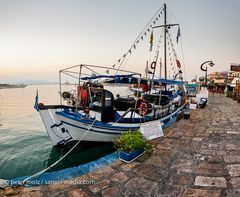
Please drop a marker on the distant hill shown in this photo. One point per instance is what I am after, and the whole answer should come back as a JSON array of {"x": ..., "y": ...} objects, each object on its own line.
[
  {"x": 38, "y": 82},
  {"x": 28, "y": 82}
]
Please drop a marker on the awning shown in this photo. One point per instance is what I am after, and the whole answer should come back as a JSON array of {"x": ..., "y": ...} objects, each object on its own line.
[{"x": 168, "y": 81}]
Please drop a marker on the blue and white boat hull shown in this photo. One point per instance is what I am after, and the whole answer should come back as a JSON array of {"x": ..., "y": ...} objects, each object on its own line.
[
  {"x": 65, "y": 126},
  {"x": 62, "y": 129}
]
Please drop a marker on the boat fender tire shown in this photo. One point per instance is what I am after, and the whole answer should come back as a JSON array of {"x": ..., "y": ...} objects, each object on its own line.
[
  {"x": 143, "y": 108},
  {"x": 70, "y": 102},
  {"x": 66, "y": 95}
]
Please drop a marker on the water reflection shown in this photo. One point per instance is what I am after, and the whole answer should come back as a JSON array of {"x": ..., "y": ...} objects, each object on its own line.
[{"x": 83, "y": 153}]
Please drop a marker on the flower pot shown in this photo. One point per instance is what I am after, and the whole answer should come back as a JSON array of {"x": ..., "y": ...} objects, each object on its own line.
[{"x": 129, "y": 157}]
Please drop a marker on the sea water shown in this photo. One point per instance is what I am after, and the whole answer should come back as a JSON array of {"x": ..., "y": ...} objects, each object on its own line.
[{"x": 25, "y": 147}]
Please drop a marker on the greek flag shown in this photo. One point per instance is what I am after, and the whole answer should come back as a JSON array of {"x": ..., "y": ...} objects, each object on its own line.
[
  {"x": 36, "y": 102},
  {"x": 178, "y": 33}
]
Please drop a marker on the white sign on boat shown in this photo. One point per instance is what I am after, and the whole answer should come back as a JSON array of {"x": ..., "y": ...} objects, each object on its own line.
[
  {"x": 192, "y": 106},
  {"x": 151, "y": 129}
]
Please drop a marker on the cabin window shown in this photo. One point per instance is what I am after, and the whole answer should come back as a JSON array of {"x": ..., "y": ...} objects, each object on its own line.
[{"x": 108, "y": 99}]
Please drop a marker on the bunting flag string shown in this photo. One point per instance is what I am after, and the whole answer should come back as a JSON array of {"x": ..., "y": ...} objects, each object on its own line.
[
  {"x": 141, "y": 36},
  {"x": 174, "y": 53}
]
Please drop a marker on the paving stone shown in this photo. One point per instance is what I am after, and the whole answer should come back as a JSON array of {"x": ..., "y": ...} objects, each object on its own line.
[
  {"x": 110, "y": 192},
  {"x": 232, "y": 146},
  {"x": 119, "y": 177},
  {"x": 31, "y": 194},
  {"x": 214, "y": 159},
  {"x": 210, "y": 181},
  {"x": 204, "y": 151},
  {"x": 167, "y": 190},
  {"x": 156, "y": 161},
  {"x": 165, "y": 155},
  {"x": 189, "y": 192},
  {"x": 234, "y": 170},
  {"x": 140, "y": 187},
  {"x": 181, "y": 179},
  {"x": 82, "y": 180},
  {"x": 130, "y": 166},
  {"x": 186, "y": 167},
  {"x": 233, "y": 132},
  {"x": 231, "y": 159},
  {"x": 216, "y": 146},
  {"x": 103, "y": 184},
  {"x": 10, "y": 191},
  {"x": 182, "y": 143},
  {"x": 76, "y": 193},
  {"x": 210, "y": 169},
  {"x": 197, "y": 139},
  {"x": 235, "y": 182},
  {"x": 100, "y": 173},
  {"x": 232, "y": 193},
  {"x": 151, "y": 172},
  {"x": 55, "y": 187},
  {"x": 189, "y": 133},
  {"x": 219, "y": 152},
  {"x": 166, "y": 144}
]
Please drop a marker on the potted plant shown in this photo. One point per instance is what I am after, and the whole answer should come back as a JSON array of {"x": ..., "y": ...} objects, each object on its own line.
[{"x": 131, "y": 145}]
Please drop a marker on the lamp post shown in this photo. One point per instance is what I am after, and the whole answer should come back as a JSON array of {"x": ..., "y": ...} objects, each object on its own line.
[{"x": 210, "y": 63}]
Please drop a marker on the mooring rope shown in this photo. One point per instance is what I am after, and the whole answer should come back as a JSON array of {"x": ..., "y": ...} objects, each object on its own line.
[{"x": 55, "y": 163}]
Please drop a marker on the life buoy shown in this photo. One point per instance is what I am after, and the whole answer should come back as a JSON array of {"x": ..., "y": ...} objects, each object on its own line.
[
  {"x": 143, "y": 108},
  {"x": 153, "y": 65}
]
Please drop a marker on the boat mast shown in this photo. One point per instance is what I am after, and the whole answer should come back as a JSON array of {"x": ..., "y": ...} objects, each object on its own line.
[
  {"x": 165, "y": 40},
  {"x": 166, "y": 27}
]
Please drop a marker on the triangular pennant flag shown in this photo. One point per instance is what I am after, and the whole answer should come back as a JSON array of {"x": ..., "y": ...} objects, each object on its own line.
[
  {"x": 151, "y": 41},
  {"x": 178, "y": 64},
  {"x": 178, "y": 34}
]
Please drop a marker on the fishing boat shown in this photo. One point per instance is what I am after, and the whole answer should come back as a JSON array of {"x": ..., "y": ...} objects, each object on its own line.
[{"x": 92, "y": 113}]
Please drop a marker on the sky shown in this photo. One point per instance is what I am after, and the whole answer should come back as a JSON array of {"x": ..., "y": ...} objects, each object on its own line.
[{"x": 38, "y": 38}]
